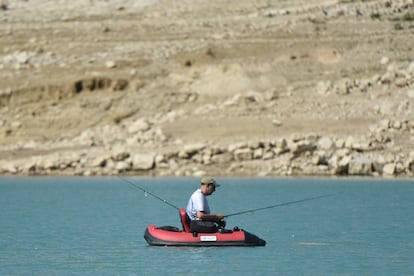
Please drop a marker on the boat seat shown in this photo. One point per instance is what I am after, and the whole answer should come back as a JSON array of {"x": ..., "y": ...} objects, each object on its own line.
[{"x": 184, "y": 221}]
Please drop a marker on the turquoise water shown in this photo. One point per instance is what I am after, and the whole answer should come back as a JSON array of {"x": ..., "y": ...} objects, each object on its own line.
[{"x": 95, "y": 226}]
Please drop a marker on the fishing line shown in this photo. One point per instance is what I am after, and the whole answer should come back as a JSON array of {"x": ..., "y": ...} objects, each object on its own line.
[
  {"x": 147, "y": 192},
  {"x": 278, "y": 205}
]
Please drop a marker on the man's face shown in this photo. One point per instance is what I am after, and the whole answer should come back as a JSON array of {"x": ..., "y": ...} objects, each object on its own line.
[{"x": 211, "y": 188}]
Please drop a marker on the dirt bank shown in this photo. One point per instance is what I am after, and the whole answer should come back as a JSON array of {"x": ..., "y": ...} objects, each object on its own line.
[{"x": 181, "y": 87}]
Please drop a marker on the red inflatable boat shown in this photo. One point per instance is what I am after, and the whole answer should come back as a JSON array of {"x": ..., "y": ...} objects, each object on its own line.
[{"x": 172, "y": 236}]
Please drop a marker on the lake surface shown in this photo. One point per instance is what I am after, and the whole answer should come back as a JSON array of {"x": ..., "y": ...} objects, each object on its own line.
[{"x": 95, "y": 226}]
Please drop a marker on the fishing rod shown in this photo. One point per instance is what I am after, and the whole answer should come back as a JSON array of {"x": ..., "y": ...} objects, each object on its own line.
[
  {"x": 147, "y": 192},
  {"x": 278, "y": 205}
]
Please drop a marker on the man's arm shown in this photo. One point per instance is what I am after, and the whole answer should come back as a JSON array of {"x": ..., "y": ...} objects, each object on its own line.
[{"x": 210, "y": 217}]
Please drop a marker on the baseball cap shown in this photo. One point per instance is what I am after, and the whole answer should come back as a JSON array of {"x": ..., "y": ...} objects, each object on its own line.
[{"x": 209, "y": 180}]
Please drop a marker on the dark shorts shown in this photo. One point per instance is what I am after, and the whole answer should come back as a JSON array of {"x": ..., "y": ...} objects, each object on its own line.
[{"x": 201, "y": 226}]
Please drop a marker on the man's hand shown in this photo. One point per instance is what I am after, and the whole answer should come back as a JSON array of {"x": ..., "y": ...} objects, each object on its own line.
[{"x": 219, "y": 217}]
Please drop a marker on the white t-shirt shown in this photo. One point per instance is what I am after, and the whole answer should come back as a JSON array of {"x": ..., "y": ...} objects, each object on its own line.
[{"x": 197, "y": 203}]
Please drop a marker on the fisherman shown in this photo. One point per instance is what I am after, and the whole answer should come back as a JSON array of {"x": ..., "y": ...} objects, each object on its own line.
[{"x": 198, "y": 211}]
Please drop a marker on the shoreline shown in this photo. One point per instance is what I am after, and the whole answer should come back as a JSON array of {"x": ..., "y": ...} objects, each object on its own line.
[
  {"x": 305, "y": 88},
  {"x": 312, "y": 155}
]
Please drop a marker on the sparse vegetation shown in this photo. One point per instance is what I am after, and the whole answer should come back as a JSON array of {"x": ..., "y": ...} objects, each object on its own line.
[
  {"x": 408, "y": 17},
  {"x": 375, "y": 15},
  {"x": 398, "y": 27}
]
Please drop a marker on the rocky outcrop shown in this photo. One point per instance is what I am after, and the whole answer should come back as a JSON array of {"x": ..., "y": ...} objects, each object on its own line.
[
  {"x": 372, "y": 155},
  {"x": 394, "y": 76}
]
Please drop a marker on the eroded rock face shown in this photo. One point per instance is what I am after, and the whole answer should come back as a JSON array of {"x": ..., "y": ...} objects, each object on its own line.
[
  {"x": 360, "y": 166},
  {"x": 235, "y": 88},
  {"x": 143, "y": 162}
]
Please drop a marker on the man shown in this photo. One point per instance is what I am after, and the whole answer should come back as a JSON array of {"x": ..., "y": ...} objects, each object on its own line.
[{"x": 198, "y": 210}]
